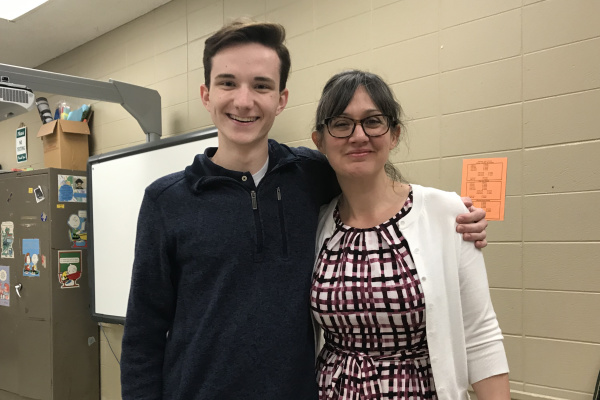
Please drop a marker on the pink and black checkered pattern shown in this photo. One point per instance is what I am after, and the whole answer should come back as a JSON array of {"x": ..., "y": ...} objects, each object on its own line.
[{"x": 367, "y": 297}]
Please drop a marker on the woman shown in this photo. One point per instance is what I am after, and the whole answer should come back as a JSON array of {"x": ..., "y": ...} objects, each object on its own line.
[{"x": 403, "y": 302}]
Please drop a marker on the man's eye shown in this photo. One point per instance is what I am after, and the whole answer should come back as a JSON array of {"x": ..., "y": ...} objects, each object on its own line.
[
  {"x": 227, "y": 83},
  {"x": 266, "y": 88}
]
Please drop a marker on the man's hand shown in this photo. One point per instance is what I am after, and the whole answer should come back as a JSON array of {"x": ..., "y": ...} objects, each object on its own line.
[{"x": 473, "y": 224}]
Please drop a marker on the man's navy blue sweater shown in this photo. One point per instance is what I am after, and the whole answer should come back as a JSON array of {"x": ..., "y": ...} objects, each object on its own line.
[{"x": 219, "y": 300}]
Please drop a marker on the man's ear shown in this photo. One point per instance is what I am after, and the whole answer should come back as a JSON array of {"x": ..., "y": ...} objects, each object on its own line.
[
  {"x": 317, "y": 140},
  {"x": 205, "y": 95},
  {"x": 283, "y": 99}
]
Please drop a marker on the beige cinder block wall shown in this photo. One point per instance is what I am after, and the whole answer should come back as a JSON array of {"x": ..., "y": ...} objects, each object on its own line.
[{"x": 477, "y": 78}]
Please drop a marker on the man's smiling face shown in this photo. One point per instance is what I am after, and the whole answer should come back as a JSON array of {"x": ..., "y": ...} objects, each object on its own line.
[{"x": 244, "y": 97}]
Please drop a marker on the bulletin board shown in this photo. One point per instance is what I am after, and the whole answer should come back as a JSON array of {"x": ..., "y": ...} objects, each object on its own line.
[{"x": 116, "y": 184}]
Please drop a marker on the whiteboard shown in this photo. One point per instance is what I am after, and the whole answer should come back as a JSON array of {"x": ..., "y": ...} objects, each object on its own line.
[{"x": 116, "y": 184}]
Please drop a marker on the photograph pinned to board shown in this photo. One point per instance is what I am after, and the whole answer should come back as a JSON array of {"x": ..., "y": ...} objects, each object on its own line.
[
  {"x": 4, "y": 286},
  {"x": 31, "y": 251},
  {"x": 39, "y": 194},
  {"x": 77, "y": 229},
  {"x": 72, "y": 189},
  {"x": 69, "y": 268},
  {"x": 8, "y": 238}
]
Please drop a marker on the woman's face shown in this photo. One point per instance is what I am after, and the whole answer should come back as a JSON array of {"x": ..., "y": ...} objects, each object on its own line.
[{"x": 358, "y": 156}]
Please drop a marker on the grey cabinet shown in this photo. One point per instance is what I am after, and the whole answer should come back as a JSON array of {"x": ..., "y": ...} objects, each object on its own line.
[{"x": 49, "y": 344}]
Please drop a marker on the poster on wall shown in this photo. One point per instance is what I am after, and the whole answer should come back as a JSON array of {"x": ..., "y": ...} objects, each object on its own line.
[
  {"x": 69, "y": 268},
  {"x": 4, "y": 286},
  {"x": 22, "y": 144},
  {"x": 8, "y": 238},
  {"x": 484, "y": 181},
  {"x": 72, "y": 189}
]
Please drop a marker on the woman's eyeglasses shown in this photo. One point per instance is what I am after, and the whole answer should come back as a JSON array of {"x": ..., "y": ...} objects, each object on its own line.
[{"x": 343, "y": 127}]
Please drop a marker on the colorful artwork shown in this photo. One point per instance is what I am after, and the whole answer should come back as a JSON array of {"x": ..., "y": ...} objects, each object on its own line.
[
  {"x": 4, "y": 286},
  {"x": 77, "y": 229},
  {"x": 31, "y": 251},
  {"x": 72, "y": 189},
  {"x": 8, "y": 238},
  {"x": 69, "y": 268}
]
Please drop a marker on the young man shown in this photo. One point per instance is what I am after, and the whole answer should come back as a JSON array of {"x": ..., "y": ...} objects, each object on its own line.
[{"x": 219, "y": 306}]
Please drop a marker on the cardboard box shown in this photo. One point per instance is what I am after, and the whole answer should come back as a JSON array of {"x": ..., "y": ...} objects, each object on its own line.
[{"x": 65, "y": 144}]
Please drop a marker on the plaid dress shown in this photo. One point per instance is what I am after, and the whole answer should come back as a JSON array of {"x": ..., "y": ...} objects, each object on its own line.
[{"x": 367, "y": 297}]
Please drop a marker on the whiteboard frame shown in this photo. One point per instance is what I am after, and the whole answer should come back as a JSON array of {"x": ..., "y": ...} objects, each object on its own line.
[{"x": 108, "y": 160}]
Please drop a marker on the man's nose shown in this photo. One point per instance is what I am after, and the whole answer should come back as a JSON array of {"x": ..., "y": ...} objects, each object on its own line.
[{"x": 243, "y": 97}]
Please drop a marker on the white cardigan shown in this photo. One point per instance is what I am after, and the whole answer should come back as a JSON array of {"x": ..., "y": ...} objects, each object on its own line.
[{"x": 465, "y": 341}]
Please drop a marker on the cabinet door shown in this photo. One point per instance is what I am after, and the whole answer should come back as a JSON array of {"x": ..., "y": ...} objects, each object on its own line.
[
  {"x": 26, "y": 337},
  {"x": 32, "y": 233},
  {"x": 8, "y": 309},
  {"x": 9, "y": 353},
  {"x": 34, "y": 362}
]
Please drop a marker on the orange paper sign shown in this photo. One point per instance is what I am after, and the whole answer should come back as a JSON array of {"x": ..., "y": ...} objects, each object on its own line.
[{"x": 484, "y": 181}]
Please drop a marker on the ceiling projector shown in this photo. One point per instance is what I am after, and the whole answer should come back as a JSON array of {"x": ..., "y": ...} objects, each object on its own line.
[{"x": 14, "y": 99}]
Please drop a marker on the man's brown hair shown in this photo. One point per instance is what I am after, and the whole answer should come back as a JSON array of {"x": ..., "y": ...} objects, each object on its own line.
[{"x": 243, "y": 31}]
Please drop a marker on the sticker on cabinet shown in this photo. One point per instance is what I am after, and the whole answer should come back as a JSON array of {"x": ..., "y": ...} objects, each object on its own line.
[
  {"x": 31, "y": 251},
  {"x": 72, "y": 189},
  {"x": 4, "y": 286},
  {"x": 77, "y": 229},
  {"x": 69, "y": 268},
  {"x": 8, "y": 238}
]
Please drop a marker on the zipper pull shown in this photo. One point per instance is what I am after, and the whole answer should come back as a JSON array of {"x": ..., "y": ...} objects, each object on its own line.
[
  {"x": 254, "y": 202},
  {"x": 278, "y": 194}
]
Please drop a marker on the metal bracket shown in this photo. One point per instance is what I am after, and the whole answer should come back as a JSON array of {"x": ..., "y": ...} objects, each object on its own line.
[{"x": 142, "y": 103}]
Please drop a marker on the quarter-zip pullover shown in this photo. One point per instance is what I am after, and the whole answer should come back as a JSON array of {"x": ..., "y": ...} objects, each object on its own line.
[{"x": 218, "y": 306}]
